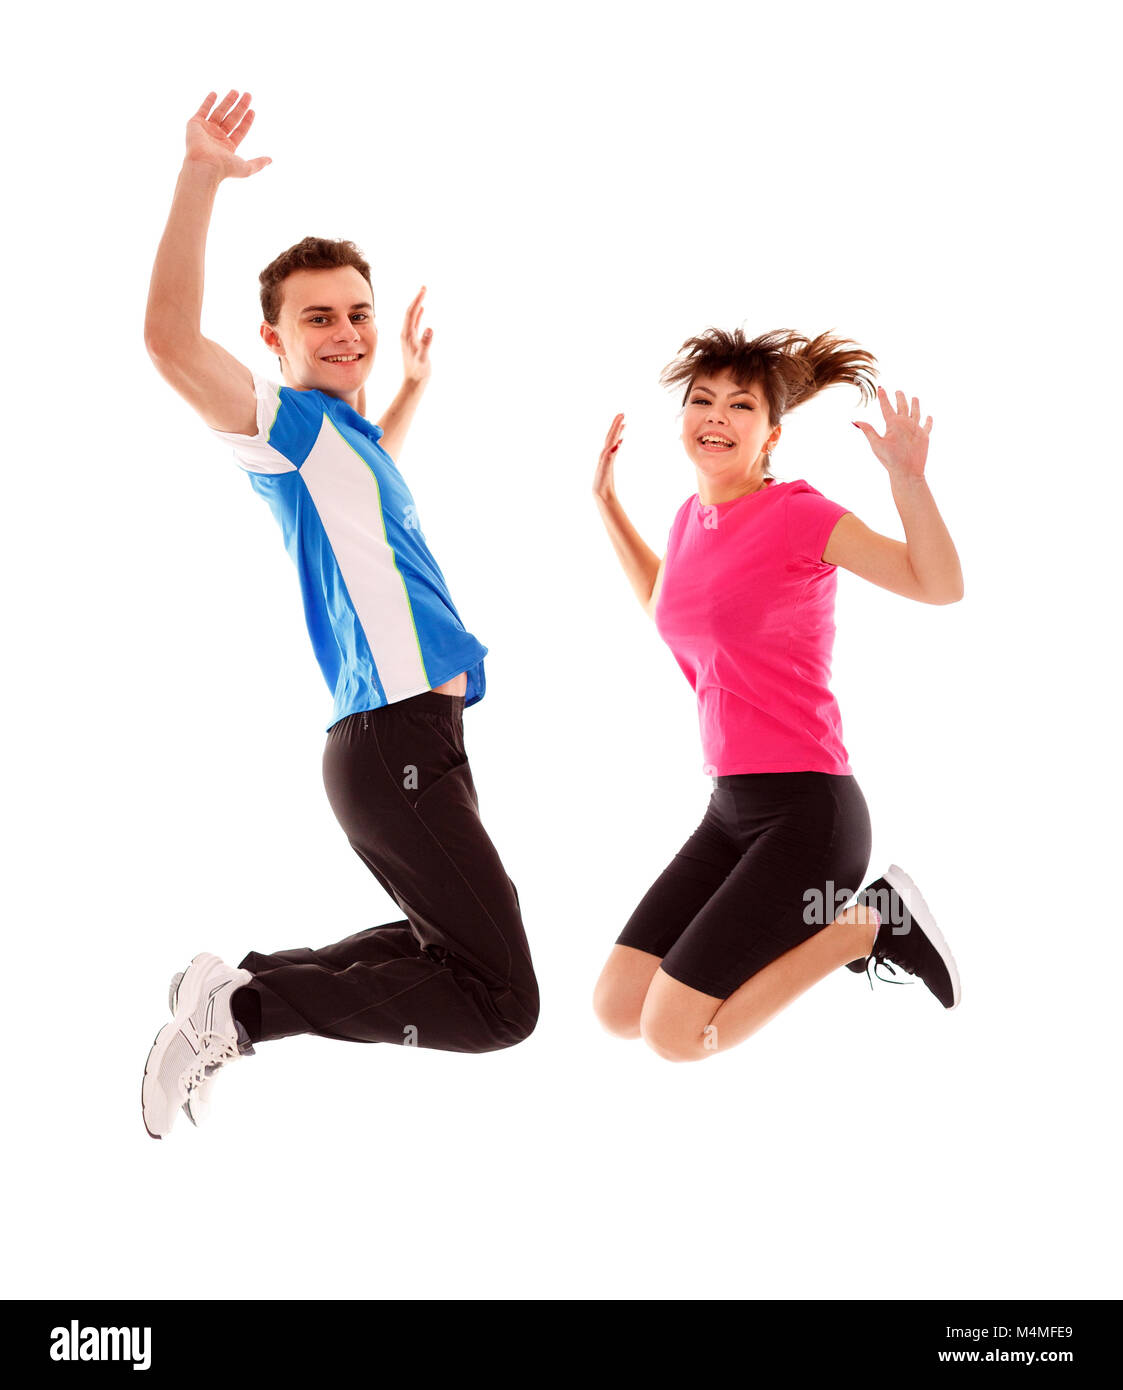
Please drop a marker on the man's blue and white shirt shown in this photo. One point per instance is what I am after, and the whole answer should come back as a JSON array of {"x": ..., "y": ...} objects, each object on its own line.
[{"x": 379, "y": 614}]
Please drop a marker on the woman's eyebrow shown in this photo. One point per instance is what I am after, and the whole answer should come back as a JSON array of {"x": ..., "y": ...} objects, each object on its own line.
[{"x": 741, "y": 391}]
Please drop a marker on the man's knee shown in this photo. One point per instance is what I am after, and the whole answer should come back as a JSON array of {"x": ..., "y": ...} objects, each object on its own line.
[{"x": 520, "y": 1015}]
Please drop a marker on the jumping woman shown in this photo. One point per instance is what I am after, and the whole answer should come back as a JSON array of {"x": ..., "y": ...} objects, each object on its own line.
[{"x": 746, "y": 915}]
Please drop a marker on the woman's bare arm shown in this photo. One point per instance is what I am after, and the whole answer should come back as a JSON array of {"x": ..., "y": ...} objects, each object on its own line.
[
  {"x": 639, "y": 562},
  {"x": 925, "y": 566}
]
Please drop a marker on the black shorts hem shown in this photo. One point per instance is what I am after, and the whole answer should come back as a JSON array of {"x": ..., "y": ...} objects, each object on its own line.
[{"x": 696, "y": 982}]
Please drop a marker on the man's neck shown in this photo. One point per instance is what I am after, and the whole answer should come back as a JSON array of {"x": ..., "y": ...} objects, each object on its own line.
[{"x": 357, "y": 400}]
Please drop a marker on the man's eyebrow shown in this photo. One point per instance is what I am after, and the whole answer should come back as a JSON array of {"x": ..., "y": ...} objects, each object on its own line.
[{"x": 330, "y": 309}]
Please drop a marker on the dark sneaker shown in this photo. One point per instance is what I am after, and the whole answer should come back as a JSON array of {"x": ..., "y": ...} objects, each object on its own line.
[{"x": 908, "y": 937}]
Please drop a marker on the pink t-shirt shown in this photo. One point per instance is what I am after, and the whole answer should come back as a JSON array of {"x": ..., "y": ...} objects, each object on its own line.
[{"x": 747, "y": 608}]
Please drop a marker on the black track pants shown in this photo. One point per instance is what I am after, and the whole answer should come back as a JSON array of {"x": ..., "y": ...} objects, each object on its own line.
[{"x": 456, "y": 973}]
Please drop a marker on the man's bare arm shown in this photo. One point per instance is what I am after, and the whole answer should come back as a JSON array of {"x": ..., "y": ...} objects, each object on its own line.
[
  {"x": 399, "y": 414},
  {"x": 215, "y": 384}
]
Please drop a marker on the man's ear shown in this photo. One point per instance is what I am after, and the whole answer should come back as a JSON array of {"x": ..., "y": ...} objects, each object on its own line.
[{"x": 271, "y": 340}]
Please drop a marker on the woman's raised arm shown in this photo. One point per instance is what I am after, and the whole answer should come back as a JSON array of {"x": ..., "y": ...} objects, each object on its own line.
[
  {"x": 640, "y": 563},
  {"x": 925, "y": 566}
]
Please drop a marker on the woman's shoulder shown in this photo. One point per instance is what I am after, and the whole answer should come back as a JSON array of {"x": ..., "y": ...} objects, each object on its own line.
[{"x": 797, "y": 485}]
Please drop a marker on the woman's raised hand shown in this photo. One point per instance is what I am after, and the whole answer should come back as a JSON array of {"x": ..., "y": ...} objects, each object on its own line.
[
  {"x": 903, "y": 448},
  {"x": 213, "y": 136},
  {"x": 603, "y": 482}
]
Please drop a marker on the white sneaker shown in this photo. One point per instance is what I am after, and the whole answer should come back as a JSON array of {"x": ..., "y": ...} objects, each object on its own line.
[{"x": 202, "y": 1036}]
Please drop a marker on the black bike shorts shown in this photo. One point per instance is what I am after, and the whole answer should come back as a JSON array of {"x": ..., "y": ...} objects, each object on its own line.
[{"x": 776, "y": 857}]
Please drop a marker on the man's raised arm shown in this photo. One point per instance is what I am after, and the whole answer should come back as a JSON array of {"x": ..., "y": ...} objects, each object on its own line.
[
  {"x": 396, "y": 419},
  {"x": 216, "y": 385}
]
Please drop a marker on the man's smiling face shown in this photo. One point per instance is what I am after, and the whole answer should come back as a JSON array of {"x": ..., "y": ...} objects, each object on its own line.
[{"x": 325, "y": 334}]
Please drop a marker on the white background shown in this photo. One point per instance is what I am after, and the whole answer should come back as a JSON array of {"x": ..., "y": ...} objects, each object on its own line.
[{"x": 581, "y": 188}]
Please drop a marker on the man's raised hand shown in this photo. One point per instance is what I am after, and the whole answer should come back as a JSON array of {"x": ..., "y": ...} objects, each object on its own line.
[
  {"x": 415, "y": 344},
  {"x": 214, "y": 133}
]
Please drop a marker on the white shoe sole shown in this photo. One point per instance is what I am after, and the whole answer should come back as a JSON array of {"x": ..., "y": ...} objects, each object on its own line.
[
  {"x": 921, "y": 913},
  {"x": 201, "y": 1101}
]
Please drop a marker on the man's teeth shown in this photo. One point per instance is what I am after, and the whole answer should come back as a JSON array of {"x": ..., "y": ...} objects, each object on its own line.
[{"x": 353, "y": 358}]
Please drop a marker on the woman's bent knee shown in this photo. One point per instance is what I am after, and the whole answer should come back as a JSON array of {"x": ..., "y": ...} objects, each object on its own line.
[
  {"x": 620, "y": 992},
  {"x": 616, "y": 1009}
]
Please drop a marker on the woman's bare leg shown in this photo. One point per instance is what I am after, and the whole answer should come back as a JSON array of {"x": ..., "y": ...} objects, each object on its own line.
[
  {"x": 684, "y": 1025},
  {"x": 622, "y": 988}
]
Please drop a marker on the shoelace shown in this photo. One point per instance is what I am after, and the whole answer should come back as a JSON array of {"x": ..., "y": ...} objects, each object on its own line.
[
  {"x": 214, "y": 1049},
  {"x": 882, "y": 960}
]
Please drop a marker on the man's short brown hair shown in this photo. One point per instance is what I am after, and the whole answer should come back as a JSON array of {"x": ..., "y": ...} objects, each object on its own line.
[{"x": 313, "y": 253}]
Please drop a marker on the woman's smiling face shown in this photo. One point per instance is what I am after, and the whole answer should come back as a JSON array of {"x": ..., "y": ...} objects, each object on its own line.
[{"x": 725, "y": 429}]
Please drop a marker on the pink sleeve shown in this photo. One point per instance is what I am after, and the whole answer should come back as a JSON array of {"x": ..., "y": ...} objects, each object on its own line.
[{"x": 811, "y": 518}]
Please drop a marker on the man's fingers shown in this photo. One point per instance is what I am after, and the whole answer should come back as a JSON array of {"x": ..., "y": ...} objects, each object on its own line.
[
  {"x": 413, "y": 314},
  {"x": 412, "y": 325},
  {"x": 239, "y": 133},
  {"x": 205, "y": 106},
  {"x": 235, "y": 114},
  {"x": 221, "y": 111}
]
